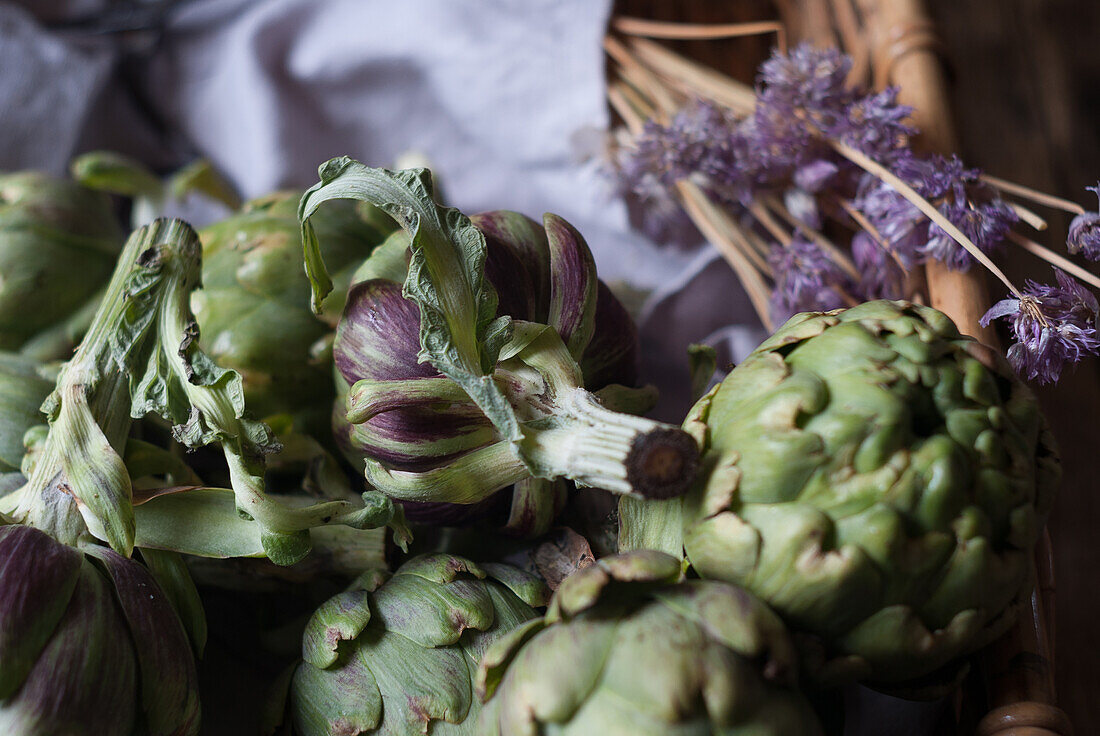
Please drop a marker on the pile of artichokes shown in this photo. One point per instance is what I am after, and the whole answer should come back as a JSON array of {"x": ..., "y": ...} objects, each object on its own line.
[{"x": 405, "y": 410}]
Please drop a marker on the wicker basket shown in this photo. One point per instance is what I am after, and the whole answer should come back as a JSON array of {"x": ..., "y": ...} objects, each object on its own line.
[{"x": 894, "y": 42}]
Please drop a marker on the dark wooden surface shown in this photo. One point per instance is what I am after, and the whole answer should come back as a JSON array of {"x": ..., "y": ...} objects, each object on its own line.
[
  {"x": 1026, "y": 94},
  {"x": 1025, "y": 86}
]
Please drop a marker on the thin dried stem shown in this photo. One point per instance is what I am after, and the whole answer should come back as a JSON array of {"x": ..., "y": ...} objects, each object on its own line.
[
  {"x": 1053, "y": 258},
  {"x": 757, "y": 210},
  {"x": 694, "y": 79},
  {"x": 759, "y": 245},
  {"x": 1042, "y": 198},
  {"x": 641, "y": 78},
  {"x": 1028, "y": 216},
  {"x": 699, "y": 31},
  {"x": 822, "y": 242},
  {"x": 870, "y": 229},
  {"x": 753, "y": 246},
  {"x": 637, "y": 84},
  {"x": 626, "y": 101},
  {"x": 718, "y": 228},
  {"x": 871, "y": 166}
]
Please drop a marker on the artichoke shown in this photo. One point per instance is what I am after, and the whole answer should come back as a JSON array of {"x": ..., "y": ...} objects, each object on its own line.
[
  {"x": 625, "y": 649},
  {"x": 58, "y": 245},
  {"x": 482, "y": 354},
  {"x": 400, "y": 658},
  {"x": 880, "y": 481},
  {"x": 24, "y": 385},
  {"x": 254, "y": 306},
  {"x": 89, "y": 644},
  {"x": 378, "y": 340}
]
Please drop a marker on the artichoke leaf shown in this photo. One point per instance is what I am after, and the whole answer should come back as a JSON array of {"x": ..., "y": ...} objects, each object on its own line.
[
  {"x": 171, "y": 573},
  {"x": 166, "y": 669},
  {"x": 202, "y": 522},
  {"x": 37, "y": 579},
  {"x": 573, "y": 283}
]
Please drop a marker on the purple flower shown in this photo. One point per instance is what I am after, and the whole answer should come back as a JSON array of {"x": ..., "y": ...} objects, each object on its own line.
[
  {"x": 816, "y": 175},
  {"x": 984, "y": 223},
  {"x": 806, "y": 279},
  {"x": 803, "y": 101},
  {"x": 1084, "y": 232},
  {"x": 874, "y": 124},
  {"x": 802, "y": 96},
  {"x": 803, "y": 207},
  {"x": 1052, "y": 325},
  {"x": 881, "y": 277},
  {"x": 808, "y": 84},
  {"x": 902, "y": 226},
  {"x": 703, "y": 143},
  {"x": 957, "y": 192}
]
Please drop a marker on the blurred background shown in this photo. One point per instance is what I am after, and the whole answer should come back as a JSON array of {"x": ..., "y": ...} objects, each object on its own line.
[{"x": 506, "y": 99}]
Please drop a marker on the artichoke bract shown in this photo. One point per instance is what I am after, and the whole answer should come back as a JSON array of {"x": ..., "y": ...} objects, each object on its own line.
[
  {"x": 58, "y": 245},
  {"x": 625, "y": 649},
  {"x": 24, "y": 385},
  {"x": 490, "y": 357},
  {"x": 880, "y": 481},
  {"x": 89, "y": 643},
  {"x": 400, "y": 658},
  {"x": 254, "y": 305}
]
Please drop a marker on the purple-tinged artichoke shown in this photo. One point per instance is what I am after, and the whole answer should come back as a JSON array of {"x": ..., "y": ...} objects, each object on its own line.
[
  {"x": 58, "y": 245},
  {"x": 879, "y": 480},
  {"x": 490, "y": 357},
  {"x": 626, "y": 650},
  {"x": 399, "y": 658},
  {"x": 89, "y": 644}
]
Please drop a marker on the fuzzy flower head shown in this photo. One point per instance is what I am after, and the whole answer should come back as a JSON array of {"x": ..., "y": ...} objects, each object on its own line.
[
  {"x": 801, "y": 95},
  {"x": 1084, "y": 232},
  {"x": 703, "y": 143},
  {"x": 875, "y": 124},
  {"x": 957, "y": 192},
  {"x": 808, "y": 84},
  {"x": 806, "y": 280},
  {"x": 1052, "y": 325}
]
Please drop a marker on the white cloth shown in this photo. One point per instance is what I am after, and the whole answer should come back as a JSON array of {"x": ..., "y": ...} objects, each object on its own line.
[
  {"x": 493, "y": 93},
  {"x": 47, "y": 88}
]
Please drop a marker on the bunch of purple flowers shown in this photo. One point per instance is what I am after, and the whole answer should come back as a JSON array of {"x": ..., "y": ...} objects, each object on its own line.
[{"x": 795, "y": 155}]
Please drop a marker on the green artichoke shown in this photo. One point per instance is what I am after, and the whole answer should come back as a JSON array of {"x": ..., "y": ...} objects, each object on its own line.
[
  {"x": 254, "y": 306},
  {"x": 24, "y": 385},
  {"x": 400, "y": 658},
  {"x": 89, "y": 644},
  {"x": 880, "y": 481},
  {"x": 58, "y": 245},
  {"x": 626, "y": 650}
]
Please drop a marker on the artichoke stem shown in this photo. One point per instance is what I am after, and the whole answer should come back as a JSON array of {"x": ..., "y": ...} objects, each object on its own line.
[
  {"x": 617, "y": 452},
  {"x": 47, "y": 500}
]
